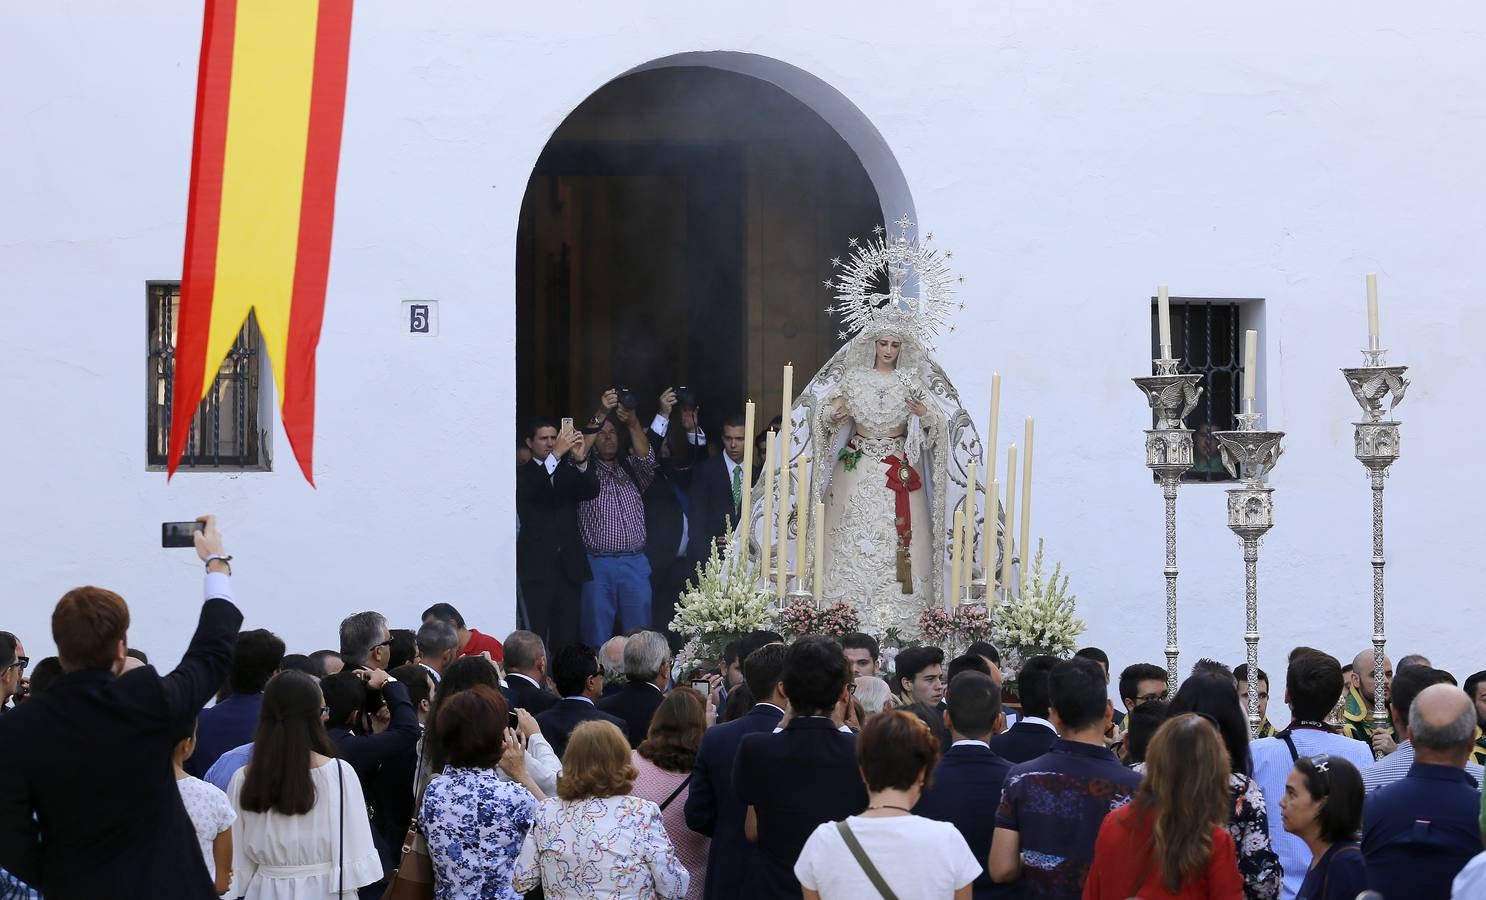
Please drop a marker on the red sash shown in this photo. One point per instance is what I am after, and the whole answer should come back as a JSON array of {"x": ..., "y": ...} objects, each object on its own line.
[{"x": 902, "y": 480}]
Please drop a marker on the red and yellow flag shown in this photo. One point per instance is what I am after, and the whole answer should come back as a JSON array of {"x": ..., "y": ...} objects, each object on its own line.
[{"x": 269, "y": 102}]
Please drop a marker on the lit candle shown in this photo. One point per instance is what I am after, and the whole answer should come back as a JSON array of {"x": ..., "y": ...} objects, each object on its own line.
[
  {"x": 967, "y": 560},
  {"x": 956, "y": 545},
  {"x": 1163, "y": 320},
  {"x": 1373, "y": 334},
  {"x": 771, "y": 448},
  {"x": 1026, "y": 535},
  {"x": 1009, "y": 548},
  {"x": 988, "y": 536},
  {"x": 745, "y": 508},
  {"x": 819, "y": 583},
  {"x": 802, "y": 510},
  {"x": 1250, "y": 367}
]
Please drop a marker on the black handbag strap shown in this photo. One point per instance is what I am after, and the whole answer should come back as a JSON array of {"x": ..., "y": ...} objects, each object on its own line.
[
  {"x": 865, "y": 861},
  {"x": 674, "y": 794},
  {"x": 1290, "y": 742}
]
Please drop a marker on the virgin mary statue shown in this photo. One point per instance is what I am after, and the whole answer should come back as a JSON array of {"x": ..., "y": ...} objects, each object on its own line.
[{"x": 888, "y": 436}]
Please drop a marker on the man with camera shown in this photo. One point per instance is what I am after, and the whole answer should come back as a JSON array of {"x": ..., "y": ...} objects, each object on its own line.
[
  {"x": 612, "y": 524},
  {"x": 551, "y": 564}
]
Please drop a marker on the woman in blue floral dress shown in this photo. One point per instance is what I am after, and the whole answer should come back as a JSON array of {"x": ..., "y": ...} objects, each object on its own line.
[{"x": 475, "y": 822}]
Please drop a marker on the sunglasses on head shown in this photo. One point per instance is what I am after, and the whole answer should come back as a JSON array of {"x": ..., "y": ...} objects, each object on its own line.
[{"x": 1321, "y": 765}]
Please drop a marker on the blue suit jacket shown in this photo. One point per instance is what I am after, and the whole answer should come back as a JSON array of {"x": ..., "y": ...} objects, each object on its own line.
[
  {"x": 965, "y": 791},
  {"x": 559, "y": 720},
  {"x": 229, "y": 724},
  {"x": 795, "y": 780},
  {"x": 1023, "y": 741},
  {"x": 713, "y": 809}
]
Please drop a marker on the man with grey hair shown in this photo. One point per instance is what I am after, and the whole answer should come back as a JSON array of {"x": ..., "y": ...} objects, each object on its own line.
[
  {"x": 1421, "y": 831},
  {"x": 611, "y": 660},
  {"x": 1408, "y": 684},
  {"x": 526, "y": 673},
  {"x": 438, "y": 645},
  {"x": 647, "y": 671},
  {"x": 365, "y": 641}
]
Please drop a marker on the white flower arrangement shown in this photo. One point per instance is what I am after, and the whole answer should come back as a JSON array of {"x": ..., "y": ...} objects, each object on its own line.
[
  {"x": 720, "y": 604},
  {"x": 1042, "y": 619}
]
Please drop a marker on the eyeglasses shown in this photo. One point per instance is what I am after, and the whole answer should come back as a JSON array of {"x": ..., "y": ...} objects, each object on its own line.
[
  {"x": 1151, "y": 698},
  {"x": 386, "y": 643},
  {"x": 21, "y": 662}
]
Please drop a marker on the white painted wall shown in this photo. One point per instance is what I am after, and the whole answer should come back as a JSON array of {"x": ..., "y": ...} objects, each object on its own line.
[{"x": 1072, "y": 155}]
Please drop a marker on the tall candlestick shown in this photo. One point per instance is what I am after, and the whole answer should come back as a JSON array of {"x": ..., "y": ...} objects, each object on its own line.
[
  {"x": 771, "y": 449},
  {"x": 1163, "y": 320},
  {"x": 802, "y": 510},
  {"x": 1009, "y": 549},
  {"x": 745, "y": 508},
  {"x": 818, "y": 583},
  {"x": 988, "y": 535},
  {"x": 1250, "y": 367},
  {"x": 956, "y": 549},
  {"x": 1026, "y": 534},
  {"x": 967, "y": 561},
  {"x": 786, "y": 424},
  {"x": 1373, "y": 334}
]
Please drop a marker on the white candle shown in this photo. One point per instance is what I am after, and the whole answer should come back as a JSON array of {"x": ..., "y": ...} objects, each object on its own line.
[
  {"x": 988, "y": 536},
  {"x": 771, "y": 448},
  {"x": 988, "y": 552},
  {"x": 802, "y": 511},
  {"x": 819, "y": 582},
  {"x": 745, "y": 508},
  {"x": 1009, "y": 548},
  {"x": 1026, "y": 535},
  {"x": 786, "y": 418},
  {"x": 1163, "y": 320},
  {"x": 1250, "y": 367},
  {"x": 956, "y": 547},
  {"x": 967, "y": 554},
  {"x": 1373, "y": 334}
]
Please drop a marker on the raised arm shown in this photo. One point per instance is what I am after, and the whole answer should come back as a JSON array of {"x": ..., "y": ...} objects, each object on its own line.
[{"x": 208, "y": 658}]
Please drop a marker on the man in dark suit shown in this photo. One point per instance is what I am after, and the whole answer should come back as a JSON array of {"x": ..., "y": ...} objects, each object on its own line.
[
  {"x": 89, "y": 807},
  {"x": 647, "y": 671},
  {"x": 966, "y": 787},
  {"x": 716, "y": 491},
  {"x": 551, "y": 564},
  {"x": 575, "y": 670},
  {"x": 526, "y": 673},
  {"x": 712, "y": 808},
  {"x": 1033, "y": 734},
  {"x": 803, "y": 776},
  {"x": 231, "y": 723}
]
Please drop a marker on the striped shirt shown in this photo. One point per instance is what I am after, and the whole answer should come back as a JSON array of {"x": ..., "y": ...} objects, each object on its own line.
[
  {"x": 1395, "y": 766},
  {"x": 614, "y": 521}
]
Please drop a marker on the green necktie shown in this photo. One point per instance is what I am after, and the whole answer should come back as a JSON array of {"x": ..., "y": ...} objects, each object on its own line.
[{"x": 737, "y": 487}]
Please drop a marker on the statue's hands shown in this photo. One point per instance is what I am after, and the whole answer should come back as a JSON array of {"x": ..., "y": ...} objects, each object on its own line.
[
  {"x": 838, "y": 414},
  {"x": 917, "y": 408}
]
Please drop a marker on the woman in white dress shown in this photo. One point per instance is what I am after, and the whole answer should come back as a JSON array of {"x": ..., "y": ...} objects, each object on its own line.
[{"x": 302, "y": 831}]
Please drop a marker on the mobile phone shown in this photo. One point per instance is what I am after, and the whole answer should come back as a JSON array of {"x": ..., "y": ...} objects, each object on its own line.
[
  {"x": 567, "y": 424},
  {"x": 179, "y": 534},
  {"x": 702, "y": 686},
  {"x": 512, "y": 720}
]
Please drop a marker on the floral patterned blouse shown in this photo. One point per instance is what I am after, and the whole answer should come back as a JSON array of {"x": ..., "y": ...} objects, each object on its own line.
[
  {"x": 600, "y": 847},
  {"x": 1249, "y": 827},
  {"x": 474, "y": 824}
]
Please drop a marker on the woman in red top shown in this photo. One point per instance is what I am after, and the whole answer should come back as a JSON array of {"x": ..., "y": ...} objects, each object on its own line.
[{"x": 1169, "y": 841}]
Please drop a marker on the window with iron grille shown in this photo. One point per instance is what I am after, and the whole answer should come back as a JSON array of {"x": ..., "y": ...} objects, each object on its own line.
[
  {"x": 1207, "y": 339},
  {"x": 225, "y": 433}
]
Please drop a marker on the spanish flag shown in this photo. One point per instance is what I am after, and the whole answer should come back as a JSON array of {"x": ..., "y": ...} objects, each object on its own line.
[{"x": 269, "y": 101}]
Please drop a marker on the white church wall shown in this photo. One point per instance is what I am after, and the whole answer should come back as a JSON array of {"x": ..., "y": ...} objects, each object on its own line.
[{"x": 1071, "y": 158}]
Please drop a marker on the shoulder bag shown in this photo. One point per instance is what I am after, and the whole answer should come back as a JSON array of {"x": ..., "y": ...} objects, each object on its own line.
[
  {"x": 413, "y": 877},
  {"x": 865, "y": 861}
]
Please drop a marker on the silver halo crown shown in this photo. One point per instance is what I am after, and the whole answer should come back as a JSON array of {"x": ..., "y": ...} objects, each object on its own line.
[{"x": 895, "y": 262}]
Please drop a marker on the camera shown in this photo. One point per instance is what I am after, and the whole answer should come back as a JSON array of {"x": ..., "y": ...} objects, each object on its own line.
[
  {"x": 686, "y": 398},
  {"x": 628, "y": 399}
]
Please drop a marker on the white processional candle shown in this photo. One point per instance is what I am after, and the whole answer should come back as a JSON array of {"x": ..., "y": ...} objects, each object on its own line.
[
  {"x": 967, "y": 561},
  {"x": 802, "y": 513},
  {"x": 745, "y": 508},
  {"x": 818, "y": 584},
  {"x": 1026, "y": 499},
  {"x": 1008, "y": 549},
  {"x": 1374, "y": 335},
  {"x": 988, "y": 535},
  {"x": 771, "y": 447},
  {"x": 956, "y": 545},
  {"x": 1163, "y": 320},
  {"x": 1250, "y": 367}
]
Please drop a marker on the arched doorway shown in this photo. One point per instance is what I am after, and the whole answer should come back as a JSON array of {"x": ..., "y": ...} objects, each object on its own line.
[{"x": 677, "y": 229}]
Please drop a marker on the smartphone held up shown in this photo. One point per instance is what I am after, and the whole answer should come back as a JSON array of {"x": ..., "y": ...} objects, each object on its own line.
[{"x": 180, "y": 534}]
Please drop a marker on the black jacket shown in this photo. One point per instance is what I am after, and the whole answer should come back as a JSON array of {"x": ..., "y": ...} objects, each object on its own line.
[
  {"x": 558, "y": 722},
  {"x": 522, "y": 694},
  {"x": 965, "y": 791},
  {"x": 711, "y": 504},
  {"x": 1023, "y": 741},
  {"x": 713, "y": 809},
  {"x": 90, "y": 758},
  {"x": 635, "y": 703},
  {"x": 549, "y": 543},
  {"x": 795, "y": 780}
]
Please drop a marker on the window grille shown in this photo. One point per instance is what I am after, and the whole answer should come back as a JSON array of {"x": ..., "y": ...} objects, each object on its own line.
[
  {"x": 1208, "y": 341},
  {"x": 225, "y": 433}
]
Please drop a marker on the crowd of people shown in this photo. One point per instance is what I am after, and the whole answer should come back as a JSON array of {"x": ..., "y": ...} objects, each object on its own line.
[{"x": 441, "y": 762}]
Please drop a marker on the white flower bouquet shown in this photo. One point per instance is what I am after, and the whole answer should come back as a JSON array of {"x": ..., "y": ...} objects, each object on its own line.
[
  {"x": 720, "y": 604},
  {"x": 1042, "y": 619}
]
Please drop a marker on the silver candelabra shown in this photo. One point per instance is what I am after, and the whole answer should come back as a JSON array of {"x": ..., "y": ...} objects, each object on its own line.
[
  {"x": 1249, "y": 454},
  {"x": 1377, "y": 448},
  {"x": 1168, "y": 453}
]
